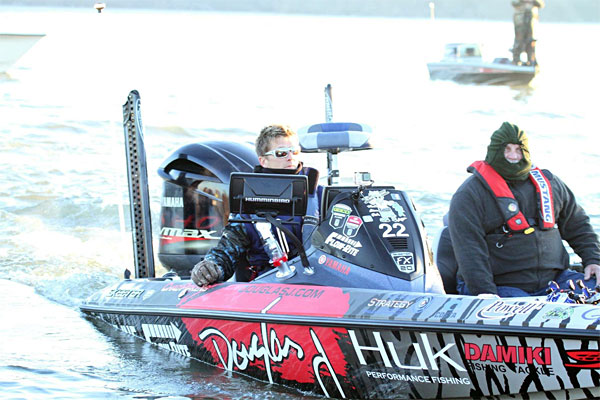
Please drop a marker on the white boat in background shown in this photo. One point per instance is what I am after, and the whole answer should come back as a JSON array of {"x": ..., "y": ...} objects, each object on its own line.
[
  {"x": 13, "y": 46},
  {"x": 463, "y": 62}
]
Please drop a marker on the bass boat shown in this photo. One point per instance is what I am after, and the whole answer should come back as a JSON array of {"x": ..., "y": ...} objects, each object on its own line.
[
  {"x": 361, "y": 312},
  {"x": 463, "y": 63},
  {"x": 13, "y": 46}
]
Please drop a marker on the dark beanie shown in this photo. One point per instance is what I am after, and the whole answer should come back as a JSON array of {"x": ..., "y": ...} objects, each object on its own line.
[{"x": 509, "y": 133}]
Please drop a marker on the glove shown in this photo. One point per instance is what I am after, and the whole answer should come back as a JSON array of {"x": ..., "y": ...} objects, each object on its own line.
[{"x": 206, "y": 272}]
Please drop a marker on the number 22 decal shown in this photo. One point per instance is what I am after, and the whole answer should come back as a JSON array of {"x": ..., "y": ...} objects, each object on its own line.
[{"x": 389, "y": 228}]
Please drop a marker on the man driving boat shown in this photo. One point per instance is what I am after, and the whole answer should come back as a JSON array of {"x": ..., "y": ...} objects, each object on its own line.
[
  {"x": 278, "y": 148},
  {"x": 507, "y": 222}
]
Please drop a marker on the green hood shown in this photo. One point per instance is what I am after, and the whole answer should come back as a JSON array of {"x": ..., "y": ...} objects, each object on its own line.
[{"x": 509, "y": 133}]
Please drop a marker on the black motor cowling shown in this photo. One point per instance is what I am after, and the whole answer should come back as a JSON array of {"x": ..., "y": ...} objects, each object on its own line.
[{"x": 195, "y": 199}]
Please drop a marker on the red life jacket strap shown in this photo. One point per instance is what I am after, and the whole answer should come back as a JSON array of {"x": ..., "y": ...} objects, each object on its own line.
[{"x": 515, "y": 219}]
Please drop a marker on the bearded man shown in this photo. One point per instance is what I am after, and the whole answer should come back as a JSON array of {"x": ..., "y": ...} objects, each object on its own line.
[{"x": 508, "y": 220}]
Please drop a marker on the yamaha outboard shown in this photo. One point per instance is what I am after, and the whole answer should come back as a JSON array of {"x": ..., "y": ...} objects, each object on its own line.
[{"x": 195, "y": 201}]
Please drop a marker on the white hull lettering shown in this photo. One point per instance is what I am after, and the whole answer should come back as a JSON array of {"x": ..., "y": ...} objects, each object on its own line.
[
  {"x": 500, "y": 309},
  {"x": 426, "y": 360},
  {"x": 172, "y": 202},
  {"x": 544, "y": 195},
  {"x": 275, "y": 351},
  {"x": 270, "y": 349},
  {"x": 188, "y": 233}
]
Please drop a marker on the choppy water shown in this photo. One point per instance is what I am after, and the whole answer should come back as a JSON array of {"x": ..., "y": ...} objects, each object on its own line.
[{"x": 203, "y": 76}]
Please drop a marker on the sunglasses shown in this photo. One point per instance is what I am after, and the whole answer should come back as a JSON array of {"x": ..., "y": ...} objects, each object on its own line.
[{"x": 283, "y": 152}]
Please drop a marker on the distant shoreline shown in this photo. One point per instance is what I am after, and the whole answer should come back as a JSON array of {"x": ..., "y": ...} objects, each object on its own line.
[{"x": 555, "y": 10}]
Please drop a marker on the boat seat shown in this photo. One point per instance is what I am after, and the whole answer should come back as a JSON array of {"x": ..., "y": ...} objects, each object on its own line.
[
  {"x": 329, "y": 193},
  {"x": 445, "y": 259},
  {"x": 334, "y": 137}
]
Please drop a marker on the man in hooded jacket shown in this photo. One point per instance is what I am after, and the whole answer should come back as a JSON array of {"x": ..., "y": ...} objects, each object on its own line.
[{"x": 507, "y": 222}]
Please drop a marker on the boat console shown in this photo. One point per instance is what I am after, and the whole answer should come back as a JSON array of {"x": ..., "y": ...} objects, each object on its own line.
[{"x": 368, "y": 236}]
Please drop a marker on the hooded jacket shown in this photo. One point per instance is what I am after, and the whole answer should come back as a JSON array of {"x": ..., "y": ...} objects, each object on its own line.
[{"x": 487, "y": 256}]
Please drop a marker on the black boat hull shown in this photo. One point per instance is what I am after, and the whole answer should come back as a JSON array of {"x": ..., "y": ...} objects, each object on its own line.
[
  {"x": 490, "y": 74},
  {"x": 366, "y": 343}
]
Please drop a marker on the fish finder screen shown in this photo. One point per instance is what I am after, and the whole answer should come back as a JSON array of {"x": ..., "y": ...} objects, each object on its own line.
[{"x": 277, "y": 194}]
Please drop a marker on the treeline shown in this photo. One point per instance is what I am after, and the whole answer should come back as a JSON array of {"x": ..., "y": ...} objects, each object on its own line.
[{"x": 555, "y": 10}]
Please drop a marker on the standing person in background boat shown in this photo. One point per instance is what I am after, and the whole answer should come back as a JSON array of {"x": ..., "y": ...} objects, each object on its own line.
[
  {"x": 525, "y": 19},
  {"x": 507, "y": 222},
  {"x": 277, "y": 148}
]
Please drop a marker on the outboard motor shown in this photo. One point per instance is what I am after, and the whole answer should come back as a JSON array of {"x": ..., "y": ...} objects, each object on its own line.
[{"x": 195, "y": 199}]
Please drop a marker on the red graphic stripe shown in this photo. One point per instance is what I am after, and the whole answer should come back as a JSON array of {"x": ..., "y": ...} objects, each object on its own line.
[
  {"x": 295, "y": 299},
  {"x": 587, "y": 358},
  {"x": 176, "y": 239}
]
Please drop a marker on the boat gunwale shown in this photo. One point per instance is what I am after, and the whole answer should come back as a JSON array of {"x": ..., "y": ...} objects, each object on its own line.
[{"x": 347, "y": 322}]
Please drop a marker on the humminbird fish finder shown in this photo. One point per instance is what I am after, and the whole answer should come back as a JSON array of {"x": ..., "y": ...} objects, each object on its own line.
[
  {"x": 270, "y": 197},
  {"x": 268, "y": 194}
]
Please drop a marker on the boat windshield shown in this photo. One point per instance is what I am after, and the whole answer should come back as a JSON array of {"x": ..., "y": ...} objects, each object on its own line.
[
  {"x": 470, "y": 51},
  {"x": 460, "y": 51}
]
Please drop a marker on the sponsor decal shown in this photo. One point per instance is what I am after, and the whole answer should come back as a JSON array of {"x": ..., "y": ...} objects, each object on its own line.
[
  {"x": 253, "y": 297},
  {"x": 584, "y": 358},
  {"x": 178, "y": 235},
  {"x": 171, "y": 202},
  {"x": 165, "y": 336},
  {"x": 442, "y": 380},
  {"x": 125, "y": 293},
  {"x": 397, "y": 229},
  {"x": 404, "y": 261},
  {"x": 374, "y": 197},
  {"x": 427, "y": 360},
  {"x": 334, "y": 264},
  {"x": 127, "y": 329},
  {"x": 267, "y": 200},
  {"x": 399, "y": 210},
  {"x": 559, "y": 313},
  {"x": 545, "y": 195},
  {"x": 352, "y": 225},
  {"x": 403, "y": 304},
  {"x": 339, "y": 214},
  {"x": 501, "y": 309},
  {"x": 176, "y": 287},
  {"x": 272, "y": 351},
  {"x": 343, "y": 243},
  {"x": 519, "y": 369},
  {"x": 592, "y": 315},
  {"x": 282, "y": 290},
  {"x": 385, "y": 210},
  {"x": 508, "y": 354},
  {"x": 444, "y": 315},
  {"x": 422, "y": 303}
]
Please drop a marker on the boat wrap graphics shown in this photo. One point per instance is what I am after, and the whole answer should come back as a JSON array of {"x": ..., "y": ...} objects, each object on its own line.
[{"x": 359, "y": 343}]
